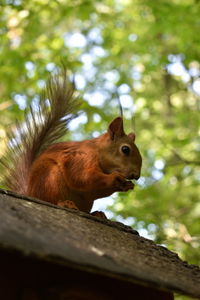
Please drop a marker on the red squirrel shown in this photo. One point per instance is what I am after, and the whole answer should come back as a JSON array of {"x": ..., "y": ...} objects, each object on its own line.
[{"x": 70, "y": 174}]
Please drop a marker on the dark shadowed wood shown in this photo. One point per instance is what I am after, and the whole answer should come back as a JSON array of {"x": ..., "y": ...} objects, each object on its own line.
[{"x": 72, "y": 239}]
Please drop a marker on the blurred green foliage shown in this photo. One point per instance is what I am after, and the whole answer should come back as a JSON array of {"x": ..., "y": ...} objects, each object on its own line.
[{"x": 147, "y": 53}]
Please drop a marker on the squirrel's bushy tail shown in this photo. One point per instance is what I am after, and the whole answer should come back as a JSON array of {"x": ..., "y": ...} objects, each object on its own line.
[{"x": 45, "y": 124}]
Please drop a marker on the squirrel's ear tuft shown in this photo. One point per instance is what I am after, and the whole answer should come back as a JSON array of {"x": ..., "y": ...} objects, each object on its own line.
[
  {"x": 116, "y": 128},
  {"x": 132, "y": 136}
]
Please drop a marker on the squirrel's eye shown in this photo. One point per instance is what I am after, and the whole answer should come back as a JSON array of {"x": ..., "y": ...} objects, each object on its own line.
[{"x": 125, "y": 149}]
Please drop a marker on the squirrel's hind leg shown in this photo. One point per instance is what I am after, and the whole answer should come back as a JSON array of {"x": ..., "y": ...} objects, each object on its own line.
[
  {"x": 99, "y": 214},
  {"x": 67, "y": 204}
]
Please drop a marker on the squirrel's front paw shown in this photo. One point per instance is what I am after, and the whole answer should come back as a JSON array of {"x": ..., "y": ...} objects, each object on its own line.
[
  {"x": 120, "y": 182},
  {"x": 128, "y": 185}
]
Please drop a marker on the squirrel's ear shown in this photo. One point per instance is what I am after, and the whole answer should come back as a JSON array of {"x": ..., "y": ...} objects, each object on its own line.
[
  {"x": 132, "y": 136},
  {"x": 116, "y": 128}
]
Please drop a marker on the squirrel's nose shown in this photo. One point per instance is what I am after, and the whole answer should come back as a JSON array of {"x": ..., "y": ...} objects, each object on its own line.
[{"x": 133, "y": 176}]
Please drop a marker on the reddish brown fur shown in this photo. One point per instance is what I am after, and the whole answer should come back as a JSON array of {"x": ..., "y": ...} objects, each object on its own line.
[
  {"x": 84, "y": 171},
  {"x": 69, "y": 173}
]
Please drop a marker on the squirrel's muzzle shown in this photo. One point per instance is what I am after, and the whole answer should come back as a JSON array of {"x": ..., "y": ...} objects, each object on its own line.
[{"x": 133, "y": 176}]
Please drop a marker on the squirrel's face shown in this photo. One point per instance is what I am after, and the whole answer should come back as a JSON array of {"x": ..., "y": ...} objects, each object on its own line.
[{"x": 119, "y": 152}]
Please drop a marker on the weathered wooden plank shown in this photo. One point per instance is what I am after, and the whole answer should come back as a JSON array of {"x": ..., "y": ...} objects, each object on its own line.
[{"x": 38, "y": 229}]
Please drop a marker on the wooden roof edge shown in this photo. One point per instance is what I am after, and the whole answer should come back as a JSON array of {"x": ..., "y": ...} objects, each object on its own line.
[
  {"x": 114, "y": 224},
  {"x": 103, "y": 263}
]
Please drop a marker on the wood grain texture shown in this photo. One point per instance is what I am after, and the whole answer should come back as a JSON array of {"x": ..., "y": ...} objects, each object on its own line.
[{"x": 80, "y": 241}]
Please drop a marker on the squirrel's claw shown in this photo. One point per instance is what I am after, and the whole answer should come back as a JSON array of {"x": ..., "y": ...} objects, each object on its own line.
[
  {"x": 67, "y": 204},
  {"x": 99, "y": 214}
]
